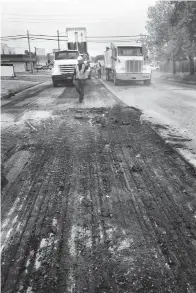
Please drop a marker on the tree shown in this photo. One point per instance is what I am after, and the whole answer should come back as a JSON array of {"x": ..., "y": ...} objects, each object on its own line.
[
  {"x": 158, "y": 24},
  {"x": 148, "y": 49},
  {"x": 184, "y": 20},
  {"x": 172, "y": 30}
]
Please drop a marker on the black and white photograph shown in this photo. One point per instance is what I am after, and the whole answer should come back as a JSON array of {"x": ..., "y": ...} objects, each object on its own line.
[{"x": 98, "y": 146}]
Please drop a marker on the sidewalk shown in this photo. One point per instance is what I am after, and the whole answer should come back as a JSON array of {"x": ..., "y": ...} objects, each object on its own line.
[
  {"x": 12, "y": 86},
  {"x": 40, "y": 76},
  {"x": 179, "y": 77}
]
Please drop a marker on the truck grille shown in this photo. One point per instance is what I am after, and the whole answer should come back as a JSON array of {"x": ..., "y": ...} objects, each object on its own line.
[
  {"x": 134, "y": 66},
  {"x": 67, "y": 68}
]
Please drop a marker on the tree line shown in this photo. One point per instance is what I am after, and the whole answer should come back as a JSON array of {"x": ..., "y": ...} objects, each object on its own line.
[{"x": 171, "y": 28}]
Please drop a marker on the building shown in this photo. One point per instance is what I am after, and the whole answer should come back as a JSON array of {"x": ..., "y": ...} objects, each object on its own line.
[
  {"x": 40, "y": 51},
  {"x": 5, "y": 49},
  {"x": 21, "y": 62},
  {"x": 42, "y": 59},
  {"x": 41, "y": 56},
  {"x": 50, "y": 57}
]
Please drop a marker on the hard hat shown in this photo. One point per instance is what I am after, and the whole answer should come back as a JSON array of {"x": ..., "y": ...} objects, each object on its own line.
[{"x": 80, "y": 58}]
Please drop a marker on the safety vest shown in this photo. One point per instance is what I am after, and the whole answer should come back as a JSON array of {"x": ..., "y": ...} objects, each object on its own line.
[{"x": 81, "y": 74}]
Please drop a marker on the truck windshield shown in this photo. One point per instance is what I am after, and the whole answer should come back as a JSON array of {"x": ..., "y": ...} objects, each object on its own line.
[
  {"x": 66, "y": 55},
  {"x": 129, "y": 51}
]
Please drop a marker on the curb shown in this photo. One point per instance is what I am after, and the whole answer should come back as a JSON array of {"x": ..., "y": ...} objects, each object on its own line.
[
  {"x": 179, "y": 81},
  {"x": 13, "y": 93},
  {"x": 114, "y": 95},
  {"x": 192, "y": 166},
  {"x": 28, "y": 92}
]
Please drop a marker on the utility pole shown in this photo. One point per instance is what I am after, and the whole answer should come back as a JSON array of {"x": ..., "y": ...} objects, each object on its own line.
[
  {"x": 30, "y": 52},
  {"x": 58, "y": 40},
  {"x": 76, "y": 40},
  {"x": 37, "y": 59}
]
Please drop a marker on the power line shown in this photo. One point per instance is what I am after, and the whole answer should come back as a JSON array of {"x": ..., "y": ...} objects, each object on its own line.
[
  {"x": 14, "y": 36},
  {"x": 89, "y": 41},
  {"x": 55, "y": 38},
  {"x": 117, "y": 36},
  {"x": 44, "y": 35},
  {"x": 88, "y": 37},
  {"x": 57, "y": 15}
]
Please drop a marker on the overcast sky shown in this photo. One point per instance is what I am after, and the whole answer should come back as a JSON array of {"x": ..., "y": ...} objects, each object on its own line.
[{"x": 100, "y": 17}]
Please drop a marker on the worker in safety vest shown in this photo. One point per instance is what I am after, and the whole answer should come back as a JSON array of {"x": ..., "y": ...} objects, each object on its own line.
[
  {"x": 99, "y": 67},
  {"x": 80, "y": 77}
]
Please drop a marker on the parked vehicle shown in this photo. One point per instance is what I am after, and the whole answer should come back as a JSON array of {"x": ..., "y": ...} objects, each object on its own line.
[
  {"x": 154, "y": 67},
  {"x": 45, "y": 67},
  {"x": 38, "y": 67},
  {"x": 125, "y": 61}
]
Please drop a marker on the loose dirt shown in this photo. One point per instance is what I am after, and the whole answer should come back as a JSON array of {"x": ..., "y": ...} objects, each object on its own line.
[{"x": 95, "y": 200}]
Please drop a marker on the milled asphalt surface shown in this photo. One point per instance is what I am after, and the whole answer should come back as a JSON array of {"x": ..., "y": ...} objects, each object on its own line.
[{"x": 94, "y": 201}]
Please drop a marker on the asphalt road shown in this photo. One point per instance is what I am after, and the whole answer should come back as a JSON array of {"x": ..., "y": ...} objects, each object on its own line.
[
  {"x": 170, "y": 104},
  {"x": 94, "y": 201}
]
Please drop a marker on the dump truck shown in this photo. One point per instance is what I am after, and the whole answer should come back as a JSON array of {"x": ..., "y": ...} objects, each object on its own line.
[
  {"x": 77, "y": 40},
  {"x": 64, "y": 64},
  {"x": 66, "y": 60},
  {"x": 125, "y": 61}
]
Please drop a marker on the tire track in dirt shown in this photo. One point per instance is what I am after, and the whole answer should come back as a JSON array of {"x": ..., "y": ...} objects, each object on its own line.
[
  {"x": 21, "y": 239},
  {"x": 151, "y": 184},
  {"x": 44, "y": 159},
  {"x": 87, "y": 220}
]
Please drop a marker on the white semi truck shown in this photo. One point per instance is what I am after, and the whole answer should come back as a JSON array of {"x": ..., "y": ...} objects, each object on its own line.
[
  {"x": 125, "y": 61},
  {"x": 66, "y": 60}
]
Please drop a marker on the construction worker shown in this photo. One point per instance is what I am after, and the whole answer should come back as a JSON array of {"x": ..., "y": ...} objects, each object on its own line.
[
  {"x": 99, "y": 69},
  {"x": 80, "y": 77}
]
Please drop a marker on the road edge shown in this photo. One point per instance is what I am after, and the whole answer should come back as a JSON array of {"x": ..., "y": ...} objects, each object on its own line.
[
  {"x": 113, "y": 94},
  {"x": 191, "y": 165},
  {"x": 179, "y": 81},
  {"x": 177, "y": 151}
]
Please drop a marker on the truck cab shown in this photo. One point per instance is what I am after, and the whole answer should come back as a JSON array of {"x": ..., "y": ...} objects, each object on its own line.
[
  {"x": 126, "y": 62},
  {"x": 64, "y": 64}
]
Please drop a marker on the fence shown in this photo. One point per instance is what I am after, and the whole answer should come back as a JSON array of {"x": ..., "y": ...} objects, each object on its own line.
[{"x": 181, "y": 66}]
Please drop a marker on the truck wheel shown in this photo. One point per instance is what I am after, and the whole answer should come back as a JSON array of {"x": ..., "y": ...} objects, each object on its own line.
[
  {"x": 116, "y": 82},
  {"x": 147, "y": 81},
  {"x": 54, "y": 84}
]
